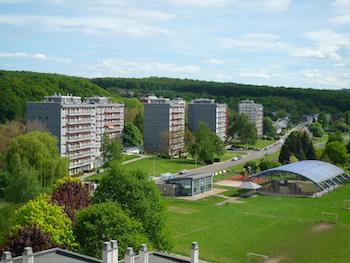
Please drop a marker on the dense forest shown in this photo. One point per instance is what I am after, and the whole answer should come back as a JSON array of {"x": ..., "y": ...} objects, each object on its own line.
[
  {"x": 17, "y": 87},
  {"x": 273, "y": 98}
]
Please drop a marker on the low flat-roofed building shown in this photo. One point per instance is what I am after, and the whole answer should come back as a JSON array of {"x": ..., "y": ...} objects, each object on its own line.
[{"x": 189, "y": 185}]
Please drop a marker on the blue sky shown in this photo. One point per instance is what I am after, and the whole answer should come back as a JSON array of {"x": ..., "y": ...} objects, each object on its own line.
[{"x": 300, "y": 43}]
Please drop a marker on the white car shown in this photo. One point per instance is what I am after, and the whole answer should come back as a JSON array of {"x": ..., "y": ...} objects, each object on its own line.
[
  {"x": 184, "y": 171},
  {"x": 235, "y": 158}
]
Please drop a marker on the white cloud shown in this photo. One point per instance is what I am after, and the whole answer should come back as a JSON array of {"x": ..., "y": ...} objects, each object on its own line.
[
  {"x": 215, "y": 61},
  {"x": 327, "y": 44},
  {"x": 89, "y": 24},
  {"x": 148, "y": 67},
  {"x": 261, "y": 74},
  {"x": 266, "y": 5},
  {"x": 203, "y": 3},
  {"x": 342, "y": 8},
  {"x": 39, "y": 56},
  {"x": 253, "y": 42}
]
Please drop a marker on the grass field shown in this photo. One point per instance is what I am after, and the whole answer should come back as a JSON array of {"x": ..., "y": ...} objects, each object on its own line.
[
  {"x": 156, "y": 166},
  {"x": 127, "y": 157},
  {"x": 285, "y": 228}
]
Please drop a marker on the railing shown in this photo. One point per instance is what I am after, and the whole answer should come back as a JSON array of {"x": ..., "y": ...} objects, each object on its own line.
[
  {"x": 80, "y": 155},
  {"x": 79, "y": 113},
  {"x": 79, "y": 130},
  {"x": 72, "y": 122},
  {"x": 79, "y": 164},
  {"x": 81, "y": 138},
  {"x": 79, "y": 147}
]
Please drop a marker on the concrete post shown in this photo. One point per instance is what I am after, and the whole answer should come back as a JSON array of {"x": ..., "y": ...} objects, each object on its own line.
[
  {"x": 195, "y": 253},
  {"x": 129, "y": 255},
  {"x": 6, "y": 257},
  {"x": 143, "y": 254},
  {"x": 107, "y": 252},
  {"x": 28, "y": 256},
  {"x": 114, "y": 245}
]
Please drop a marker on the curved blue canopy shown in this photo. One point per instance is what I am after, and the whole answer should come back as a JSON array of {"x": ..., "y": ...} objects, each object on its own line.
[{"x": 316, "y": 171}]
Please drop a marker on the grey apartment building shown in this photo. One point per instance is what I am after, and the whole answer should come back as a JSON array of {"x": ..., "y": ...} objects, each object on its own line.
[
  {"x": 255, "y": 113},
  {"x": 214, "y": 115},
  {"x": 79, "y": 126},
  {"x": 164, "y": 126}
]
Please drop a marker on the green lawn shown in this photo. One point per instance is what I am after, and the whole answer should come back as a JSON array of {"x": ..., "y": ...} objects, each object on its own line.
[
  {"x": 127, "y": 157},
  {"x": 155, "y": 166},
  {"x": 285, "y": 228}
]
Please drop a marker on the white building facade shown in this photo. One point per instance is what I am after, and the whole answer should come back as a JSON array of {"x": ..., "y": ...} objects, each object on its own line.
[
  {"x": 79, "y": 126},
  {"x": 255, "y": 113}
]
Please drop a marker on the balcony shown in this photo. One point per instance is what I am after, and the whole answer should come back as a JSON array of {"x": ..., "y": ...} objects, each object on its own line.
[
  {"x": 79, "y": 130},
  {"x": 80, "y": 138},
  {"x": 113, "y": 117},
  {"x": 80, "y": 113},
  {"x": 73, "y": 165},
  {"x": 79, "y": 147},
  {"x": 80, "y": 155},
  {"x": 81, "y": 121}
]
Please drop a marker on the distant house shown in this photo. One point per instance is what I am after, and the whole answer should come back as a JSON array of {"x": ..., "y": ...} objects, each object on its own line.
[
  {"x": 109, "y": 255},
  {"x": 310, "y": 118},
  {"x": 187, "y": 185},
  {"x": 281, "y": 124}
]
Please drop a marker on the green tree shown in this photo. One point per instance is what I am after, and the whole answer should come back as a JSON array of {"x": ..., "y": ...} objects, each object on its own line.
[
  {"x": 131, "y": 135},
  {"x": 50, "y": 218},
  {"x": 207, "y": 144},
  {"x": 298, "y": 144},
  {"x": 266, "y": 164},
  {"x": 335, "y": 137},
  {"x": 112, "y": 149},
  {"x": 268, "y": 128},
  {"x": 4, "y": 182},
  {"x": 281, "y": 113},
  {"x": 336, "y": 153},
  {"x": 341, "y": 126},
  {"x": 134, "y": 192},
  {"x": 251, "y": 167},
  {"x": 106, "y": 221},
  {"x": 139, "y": 119},
  {"x": 316, "y": 129},
  {"x": 189, "y": 139},
  {"x": 38, "y": 152},
  {"x": 243, "y": 129},
  {"x": 322, "y": 119}
]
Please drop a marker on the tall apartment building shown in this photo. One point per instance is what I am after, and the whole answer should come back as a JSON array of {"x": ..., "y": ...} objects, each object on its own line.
[
  {"x": 255, "y": 113},
  {"x": 214, "y": 115},
  {"x": 78, "y": 125},
  {"x": 164, "y": 126},
  {"x": 109, "y": 119}
]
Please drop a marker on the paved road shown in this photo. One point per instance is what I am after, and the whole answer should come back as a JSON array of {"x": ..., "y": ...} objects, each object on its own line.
[{"x": 250, "y": 156}]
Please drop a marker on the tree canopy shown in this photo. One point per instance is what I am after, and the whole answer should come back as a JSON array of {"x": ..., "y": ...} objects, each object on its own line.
[
  {"x": 243, "y": 129},
  {"x": 50, "y": 218},
  {"x": 135, "y": 193},
  {"x": 107, "y": 221},
  {"x": 131, "y": 135},
  {"x": 268, "y": 129},
  {"x": 112, "y": 149},
  {"x": 206, "y": 144},
  {"x": 37, "y": 150},
  {"x": 316, "y": 129},
  {"x": 336, "y": 153},
  {"x": 298, "y": 144}
]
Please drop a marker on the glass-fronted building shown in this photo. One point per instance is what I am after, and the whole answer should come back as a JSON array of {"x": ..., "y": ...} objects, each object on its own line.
[{"x": 189, "y": 185}]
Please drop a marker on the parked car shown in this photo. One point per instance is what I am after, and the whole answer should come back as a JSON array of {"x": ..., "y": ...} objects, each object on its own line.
[
  {"x": 235, "y": 158},
  {"x": 184, "y": 171}
]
